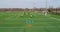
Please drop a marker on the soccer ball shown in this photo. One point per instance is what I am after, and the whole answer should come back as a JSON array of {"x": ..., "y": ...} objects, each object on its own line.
[
  {"x": 21, "y": 15},
  {"x": 30, "y": 15}
]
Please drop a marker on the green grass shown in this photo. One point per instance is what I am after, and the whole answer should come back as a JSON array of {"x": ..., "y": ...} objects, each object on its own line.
[{"x": 14, "y": 22}]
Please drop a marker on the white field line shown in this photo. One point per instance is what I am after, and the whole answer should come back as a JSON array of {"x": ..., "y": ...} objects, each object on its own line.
[
  {"x": 11, "y": 27},
  {"x": 13, "y": 16},
  {"x": 55, "y": 18}
]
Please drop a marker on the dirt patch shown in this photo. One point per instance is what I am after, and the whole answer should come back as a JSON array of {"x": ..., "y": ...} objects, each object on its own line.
[{"x": 28, "y": 25}]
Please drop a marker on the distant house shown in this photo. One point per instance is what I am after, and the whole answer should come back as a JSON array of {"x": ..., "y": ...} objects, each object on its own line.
[
  {"x": 55, "y": 10},
  {"x": 43, "y": 10}
]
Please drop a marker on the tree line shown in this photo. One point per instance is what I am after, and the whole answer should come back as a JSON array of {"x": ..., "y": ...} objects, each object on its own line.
[{"x": 55, "y": 10}]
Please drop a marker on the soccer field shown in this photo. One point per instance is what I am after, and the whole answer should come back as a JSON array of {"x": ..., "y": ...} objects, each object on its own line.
[{"x": 16, "y": 22}]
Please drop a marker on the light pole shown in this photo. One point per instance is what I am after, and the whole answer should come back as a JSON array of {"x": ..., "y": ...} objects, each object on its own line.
[
  {"x": 34, "y": 6},
  {"x": 46, "y": 3},
  {"x": 46, "y": 9}
]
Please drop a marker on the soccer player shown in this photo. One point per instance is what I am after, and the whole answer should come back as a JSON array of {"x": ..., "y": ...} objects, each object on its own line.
[{"x": 28, "y": 23}]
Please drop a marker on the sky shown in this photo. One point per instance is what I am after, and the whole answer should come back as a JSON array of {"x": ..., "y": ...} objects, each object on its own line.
[{"x": 29, "y": 3}]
